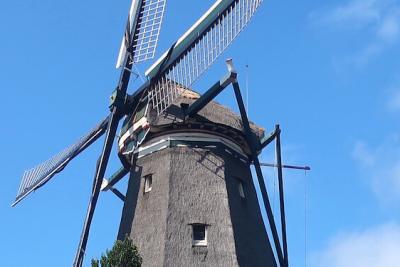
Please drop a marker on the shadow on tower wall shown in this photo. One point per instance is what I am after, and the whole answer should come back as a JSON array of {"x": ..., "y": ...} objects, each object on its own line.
[
  {"x": 130, "y": 203},
  {"x": 253, "y": 247}
]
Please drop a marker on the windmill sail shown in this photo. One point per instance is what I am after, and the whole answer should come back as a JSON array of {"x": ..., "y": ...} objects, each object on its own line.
[
  {"x": 145, "y": 39},
  {"x": 197, "y": 49},
  {"x": 42, "y": 173}
]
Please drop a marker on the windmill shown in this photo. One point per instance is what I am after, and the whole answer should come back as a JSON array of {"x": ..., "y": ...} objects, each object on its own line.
[{"x": 167, "y": 80}]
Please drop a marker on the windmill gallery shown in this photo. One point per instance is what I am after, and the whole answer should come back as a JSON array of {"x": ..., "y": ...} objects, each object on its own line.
[{"x": 205, "y": 211}]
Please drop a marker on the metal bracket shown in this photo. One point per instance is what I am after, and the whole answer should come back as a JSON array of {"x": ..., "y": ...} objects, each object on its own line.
[
  {"x": 107, "y": 184},
  {"x": 117, "y": 99}
]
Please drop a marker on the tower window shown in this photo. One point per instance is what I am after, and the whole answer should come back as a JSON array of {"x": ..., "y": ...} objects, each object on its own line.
[
  {"x": 241, "y": 189},
  {"x": 199, "y": 235},
  {"x": 148, "y": 183}
]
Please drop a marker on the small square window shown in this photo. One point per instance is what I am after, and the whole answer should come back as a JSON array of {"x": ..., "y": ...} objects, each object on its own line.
[
  {"x": 148, "y": 183},
  {"x": 199, "y": 235},
  {"x": 241, "y": 189}
]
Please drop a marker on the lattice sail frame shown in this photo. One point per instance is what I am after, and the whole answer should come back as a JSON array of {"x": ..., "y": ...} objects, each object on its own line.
[
  {"x": 199, "y": 57},
  {"x": 149, "y": 23},
  {"x": 36, "y": 177},
  {"x": 184, "y": 71},
  {"x": 145, "y": 39}
]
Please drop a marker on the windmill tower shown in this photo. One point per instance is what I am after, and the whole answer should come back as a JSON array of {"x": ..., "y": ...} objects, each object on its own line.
[{"x": 191, "y": 200}]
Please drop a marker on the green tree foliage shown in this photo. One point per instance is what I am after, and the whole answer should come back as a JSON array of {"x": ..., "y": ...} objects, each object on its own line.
[{"x": 122, "y": 254}]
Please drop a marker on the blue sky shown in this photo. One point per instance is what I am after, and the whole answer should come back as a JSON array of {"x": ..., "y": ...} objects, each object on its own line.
[{"x": 328, "y": 72}]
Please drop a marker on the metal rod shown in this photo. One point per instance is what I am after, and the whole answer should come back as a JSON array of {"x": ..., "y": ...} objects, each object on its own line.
[
  {"x": 115, "y": 116},
  {"x": 281, "y": 196},
  {"x": 100, "y": 171},
  {"x": 250, "y": 140},
  {"x": 305, "y": 168}
]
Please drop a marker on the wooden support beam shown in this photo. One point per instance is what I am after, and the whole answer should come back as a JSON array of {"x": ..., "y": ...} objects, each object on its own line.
[
  {"x": 116, "y": 177},
  {"x": 281, "y": 197},
  {"x": 210, "y": 94},
  {"x": 253, "y": 148},
  {"x": 118, "y": 193},
  {"x": 266, "y": 140}
]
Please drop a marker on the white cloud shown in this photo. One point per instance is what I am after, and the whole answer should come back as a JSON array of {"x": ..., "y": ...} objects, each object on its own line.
[
  {"x": 362, "y": 154},
  {"x": 356, "y": 12},
  {"x": 376, "y": 20},
  {"x": 375, "y": 247},
  {"x": 381, "y": 168},
  {"x": 394, "y": 101},
  {"x": 388, "y": 30}
]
